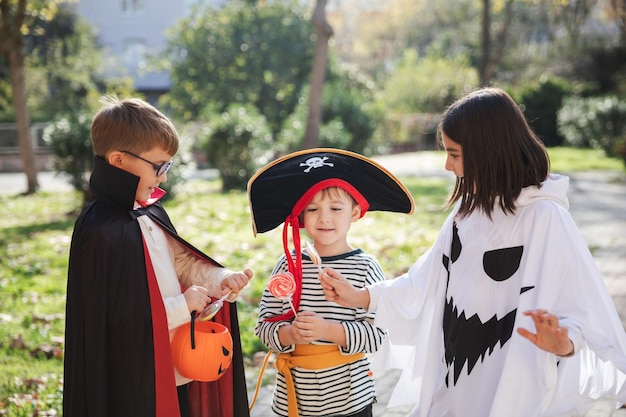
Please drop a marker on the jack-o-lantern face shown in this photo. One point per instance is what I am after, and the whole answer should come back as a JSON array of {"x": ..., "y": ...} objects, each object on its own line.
[
  {"x": 212, "y": 355},
  {"x": 479, "y": 313}
]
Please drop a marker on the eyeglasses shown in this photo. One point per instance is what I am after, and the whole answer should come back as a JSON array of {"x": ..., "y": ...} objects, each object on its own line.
[{"x": 160, "y": 169}]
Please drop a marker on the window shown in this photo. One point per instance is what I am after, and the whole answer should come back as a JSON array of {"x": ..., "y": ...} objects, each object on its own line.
[{"x": 132, "y": 7}]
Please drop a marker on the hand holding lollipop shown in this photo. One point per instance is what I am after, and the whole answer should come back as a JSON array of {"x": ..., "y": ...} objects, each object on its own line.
[
  {"x": 314, "y": 255},
  {"x": 211, "y": 310},
  {"x": 283, "y": 286}
]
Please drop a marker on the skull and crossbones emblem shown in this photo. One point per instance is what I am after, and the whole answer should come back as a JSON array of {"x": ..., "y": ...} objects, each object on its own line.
[{"x": 315, "y": 162}]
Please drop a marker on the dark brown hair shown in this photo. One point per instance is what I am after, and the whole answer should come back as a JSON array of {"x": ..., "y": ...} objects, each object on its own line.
[
  {"x": 501, "y": 154},
  {"x": 131, "y": 125}
]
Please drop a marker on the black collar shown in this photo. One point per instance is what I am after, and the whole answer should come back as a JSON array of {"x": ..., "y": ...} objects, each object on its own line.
[{"x": 113, "y": 185}]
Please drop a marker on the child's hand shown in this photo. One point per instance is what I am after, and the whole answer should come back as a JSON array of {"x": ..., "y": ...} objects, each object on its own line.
[
  {"x": 308, "y": 327},
  {"x": 339, "y": 290},
  {"x": 549, "y": 337},
  {"x": 235, "y": 282},
  {"x": 196, "y": 297}
]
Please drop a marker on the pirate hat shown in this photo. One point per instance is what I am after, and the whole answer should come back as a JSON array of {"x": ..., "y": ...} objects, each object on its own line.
[{"x": 281, "y": 190}]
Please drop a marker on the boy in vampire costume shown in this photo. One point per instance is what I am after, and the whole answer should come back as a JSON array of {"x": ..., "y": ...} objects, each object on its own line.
[{"x": 132, "y": 280}]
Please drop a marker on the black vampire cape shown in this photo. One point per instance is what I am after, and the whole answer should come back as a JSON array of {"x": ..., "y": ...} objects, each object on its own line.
[{"x": 116, "y": 335}]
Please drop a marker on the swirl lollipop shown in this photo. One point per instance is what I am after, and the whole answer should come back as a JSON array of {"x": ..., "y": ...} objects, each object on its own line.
[
  {"x": 283, "y": 286},
  {"x": 314, "y": 255}
]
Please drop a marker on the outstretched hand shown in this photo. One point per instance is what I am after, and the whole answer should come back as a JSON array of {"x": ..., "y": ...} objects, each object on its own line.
[
  {"x": 339, "y": 290},
  {"x": 234, "y": 282},
  {"x": 549, "y": 337}
]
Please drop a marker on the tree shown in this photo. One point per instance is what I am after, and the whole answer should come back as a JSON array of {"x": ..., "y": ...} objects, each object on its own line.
[
  {"x": 64, "y": 66},
  {"x": 63, "y": 63},
  {"x": 13, "y": 20},
  {"x": 256, "y": 54},
  {"x": 618, "y": 11},
  {"x": 492, "y": 55},
  {"x": 349, "y": 113},
  {"x": 323, "y": 32}
]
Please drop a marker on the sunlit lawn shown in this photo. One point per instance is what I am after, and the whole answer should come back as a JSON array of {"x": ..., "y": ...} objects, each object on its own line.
[{"x": 34, "y": 243}]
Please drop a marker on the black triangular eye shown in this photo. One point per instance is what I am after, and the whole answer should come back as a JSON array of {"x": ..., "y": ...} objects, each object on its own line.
[
  {"x": 501, "y": 264},
  {"x": 455, "y": 251},
  {"x": 524, "y": 289},
  {"x": 225, "y": 351}
]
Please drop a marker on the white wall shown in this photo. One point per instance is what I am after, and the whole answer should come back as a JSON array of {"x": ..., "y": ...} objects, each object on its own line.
[{"x": 130, "y": 36}]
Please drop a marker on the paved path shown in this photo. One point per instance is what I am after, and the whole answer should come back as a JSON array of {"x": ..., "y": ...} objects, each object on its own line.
[{"x": 598, "y": 205}]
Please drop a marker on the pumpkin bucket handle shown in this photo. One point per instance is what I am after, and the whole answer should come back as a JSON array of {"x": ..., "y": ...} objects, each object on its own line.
[{"x": 193, "y": 330}]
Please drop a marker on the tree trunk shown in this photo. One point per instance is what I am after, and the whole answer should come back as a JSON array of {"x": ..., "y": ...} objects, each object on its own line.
[
  {"x": 12, "y": 48},
  {"x": 485, "y": 44},
  {"x": 324, "y": 31},
  {"x": 492, "y": 55},
  {"x": 501, "y": 40},
  {"x": 619, "y": 9},
  {"x": 22, "y": 119}
]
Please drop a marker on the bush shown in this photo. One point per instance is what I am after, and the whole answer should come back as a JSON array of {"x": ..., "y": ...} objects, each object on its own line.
[
  {"x": 333, "y": 133},
  {"x": 604, "y": 69},
  {"x": 349, "y": 104},
  {"x": 427, "y": 84},
  {"x": 541, "y": 103},
  {"x": 237, "y": 143},
  {"x": 348, "y": 119},
  {"x": 415, "y": 94},
  {"x": 408, "y": 132},
  {"x": 594, "y": 122},
  {"x": 184, "y": 164},
  {"x": 69, "y": 139}
]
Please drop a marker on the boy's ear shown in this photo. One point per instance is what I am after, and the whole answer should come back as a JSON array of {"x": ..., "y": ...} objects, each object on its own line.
[
  {"x": 115, "y": 159},
  {"x": 356, "y": 212}
]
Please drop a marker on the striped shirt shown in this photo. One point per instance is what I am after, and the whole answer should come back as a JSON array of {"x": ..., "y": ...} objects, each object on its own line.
[{"x": 341, "y": 390}]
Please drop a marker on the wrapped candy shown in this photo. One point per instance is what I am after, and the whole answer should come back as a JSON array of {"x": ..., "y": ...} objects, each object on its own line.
[
  {"x": 314, "y": 255},
  {"x": 211, "y": 310}
]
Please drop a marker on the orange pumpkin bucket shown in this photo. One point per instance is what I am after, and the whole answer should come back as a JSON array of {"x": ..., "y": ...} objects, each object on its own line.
[{"x": 202, "y": 350}]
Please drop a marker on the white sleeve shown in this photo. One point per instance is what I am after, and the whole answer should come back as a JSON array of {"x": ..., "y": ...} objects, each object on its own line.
[{"x": 193, "y": 270}]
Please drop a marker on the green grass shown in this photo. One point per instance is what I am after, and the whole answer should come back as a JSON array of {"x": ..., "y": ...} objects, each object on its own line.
[
  {"x": 565, "y": 160},
  {"x": 35, "y": 238}
]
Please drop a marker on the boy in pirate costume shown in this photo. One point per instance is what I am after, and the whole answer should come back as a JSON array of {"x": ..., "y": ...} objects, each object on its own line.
[
  {"x": 126, "y": 268},
  {"x": 322, "y": 364}
]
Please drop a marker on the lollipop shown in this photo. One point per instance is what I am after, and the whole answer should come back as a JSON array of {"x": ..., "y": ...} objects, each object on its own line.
[
  {"x": 211, "y": 310},
  {"x": 283, "y": 286},
  {"x": 315, "y": 257}
]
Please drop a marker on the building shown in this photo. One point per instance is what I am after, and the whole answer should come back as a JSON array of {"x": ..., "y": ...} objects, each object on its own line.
[{"x": 131, "y": 31}]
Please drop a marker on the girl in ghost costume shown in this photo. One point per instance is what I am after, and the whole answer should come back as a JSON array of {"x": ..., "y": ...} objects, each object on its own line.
[{"x": 506, "y": 314}]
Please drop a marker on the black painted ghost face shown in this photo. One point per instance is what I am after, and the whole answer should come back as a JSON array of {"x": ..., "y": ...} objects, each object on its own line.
[{"x": 471, "y": 335}]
